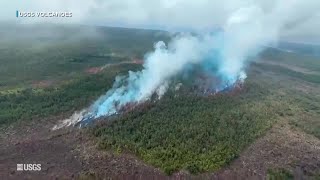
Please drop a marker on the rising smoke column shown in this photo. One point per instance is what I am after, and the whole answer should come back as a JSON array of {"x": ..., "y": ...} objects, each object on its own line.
[{"x": 223, "y": 55}]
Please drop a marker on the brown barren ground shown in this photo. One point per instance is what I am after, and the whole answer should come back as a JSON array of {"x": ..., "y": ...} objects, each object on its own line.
[{"x": 71, "y": 153}]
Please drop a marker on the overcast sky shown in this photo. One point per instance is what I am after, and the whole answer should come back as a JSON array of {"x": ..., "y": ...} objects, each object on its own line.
[{"x": 297, "y": 19}]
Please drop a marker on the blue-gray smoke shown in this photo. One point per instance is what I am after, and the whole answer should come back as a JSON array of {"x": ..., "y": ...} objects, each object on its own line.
[{"x": 221, "y": 54}]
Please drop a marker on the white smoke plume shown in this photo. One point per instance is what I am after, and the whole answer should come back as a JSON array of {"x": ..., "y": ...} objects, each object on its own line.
[
  {"x": 247, "y": 27},
  {"x": 226, "y": 51}
]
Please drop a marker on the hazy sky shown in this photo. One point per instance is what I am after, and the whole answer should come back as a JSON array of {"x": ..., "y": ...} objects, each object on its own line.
[{"x": 297, "y": 19}]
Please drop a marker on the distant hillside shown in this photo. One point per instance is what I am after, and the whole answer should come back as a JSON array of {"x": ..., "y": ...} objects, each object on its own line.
[
  {"x": 300, "y": 48},
  {"x": 49, "y": 52}
]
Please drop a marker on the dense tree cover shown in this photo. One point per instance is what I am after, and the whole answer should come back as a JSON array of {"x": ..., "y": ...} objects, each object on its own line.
[
  {"x": 31, "y": 103},
  {"x": 191, "y": 132}
]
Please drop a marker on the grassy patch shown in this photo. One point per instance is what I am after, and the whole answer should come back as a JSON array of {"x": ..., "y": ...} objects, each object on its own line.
[
  {"x": 88, "y": 176},
  {"x": 279, "y": 174},
  {"x": 306, "y": 114},
  {"x": 313, "y": 78},
  {"x": 302, "y": 96},
  {"x": 311, "y": 63}
]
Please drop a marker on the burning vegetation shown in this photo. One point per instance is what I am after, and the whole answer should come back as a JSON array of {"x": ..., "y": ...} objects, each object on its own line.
[
  {"x": 184, "y": 130},
  {"x": 202, "y": 88}
]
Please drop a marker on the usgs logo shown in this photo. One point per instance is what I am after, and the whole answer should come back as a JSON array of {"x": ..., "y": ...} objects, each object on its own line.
[{"x": 28, "y": 167}]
